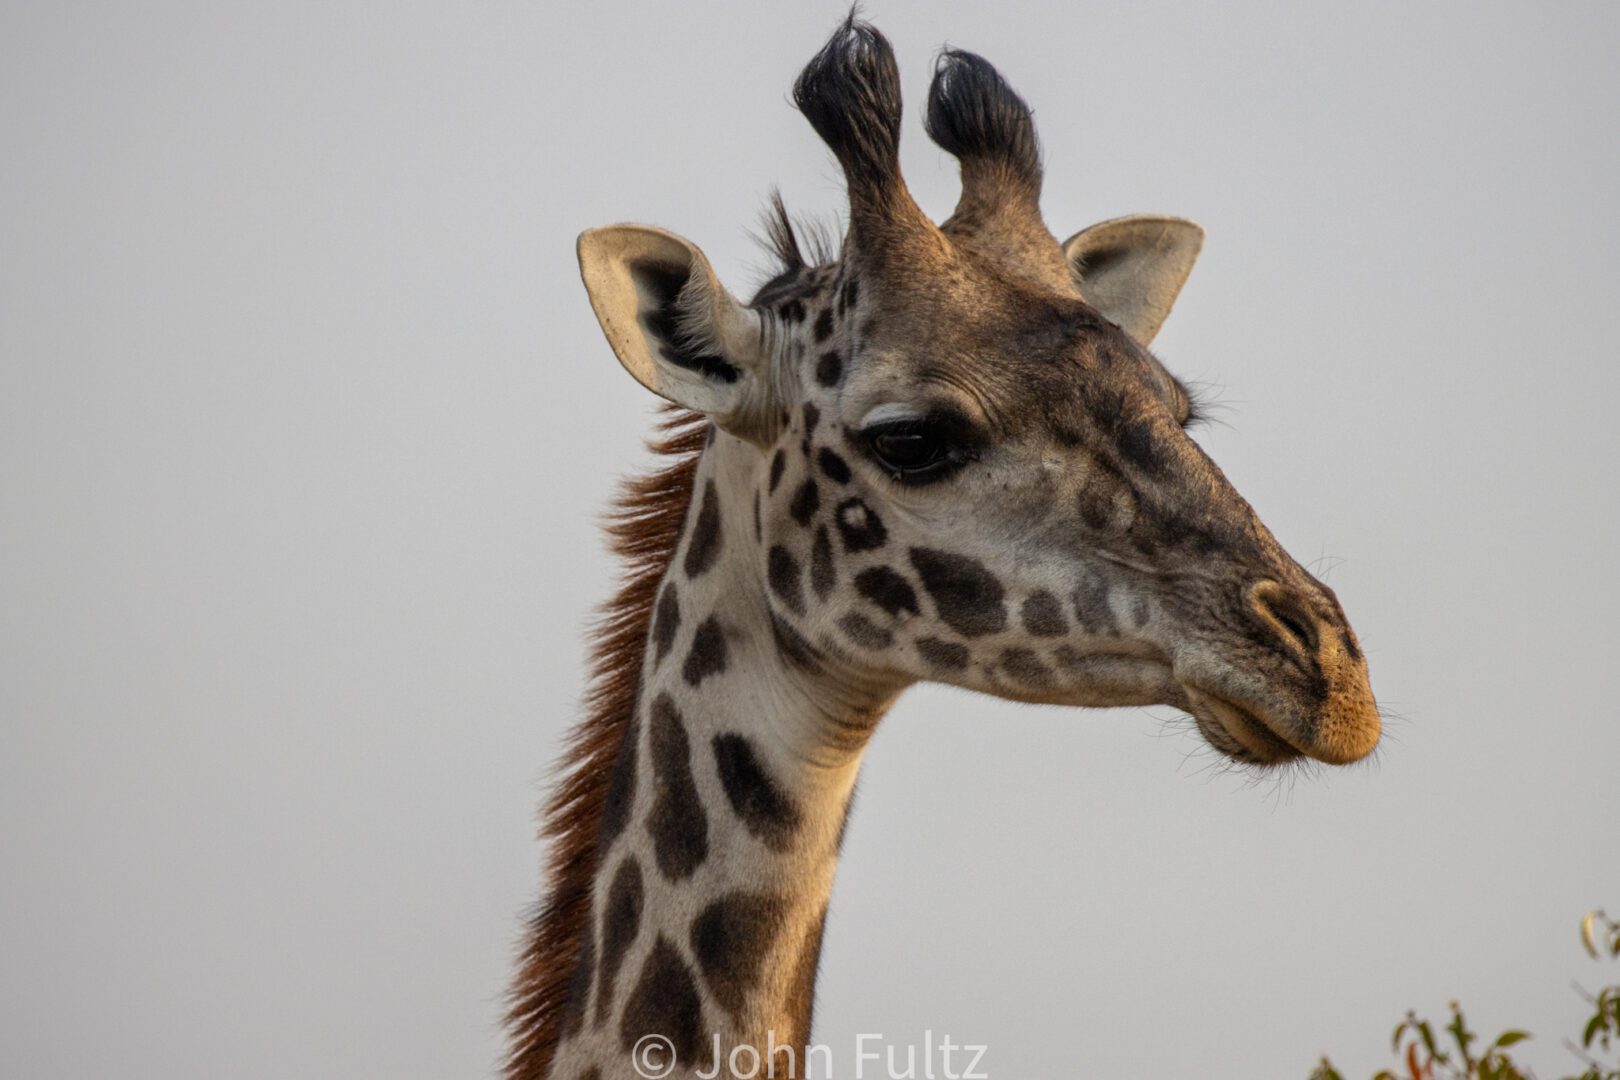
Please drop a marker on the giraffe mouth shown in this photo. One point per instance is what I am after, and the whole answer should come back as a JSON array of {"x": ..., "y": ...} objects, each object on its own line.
[{"x": 1238, "y": 732}]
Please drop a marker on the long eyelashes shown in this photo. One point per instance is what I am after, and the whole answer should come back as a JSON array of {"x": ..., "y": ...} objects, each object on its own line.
[{"x": 1195, "y": 403}]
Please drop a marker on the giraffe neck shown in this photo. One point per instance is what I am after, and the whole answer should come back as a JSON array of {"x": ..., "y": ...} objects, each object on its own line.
[{"x": 721, "y": 831}]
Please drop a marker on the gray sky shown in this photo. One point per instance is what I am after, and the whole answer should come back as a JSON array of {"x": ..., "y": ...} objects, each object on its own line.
[{"x": 305, "y": 426}]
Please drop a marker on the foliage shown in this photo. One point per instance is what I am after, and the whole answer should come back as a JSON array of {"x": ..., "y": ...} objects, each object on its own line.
[{"x": 1424, "y": 1054}]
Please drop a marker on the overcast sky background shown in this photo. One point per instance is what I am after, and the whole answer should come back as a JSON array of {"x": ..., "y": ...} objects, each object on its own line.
[{"x": 306, "y": 425}]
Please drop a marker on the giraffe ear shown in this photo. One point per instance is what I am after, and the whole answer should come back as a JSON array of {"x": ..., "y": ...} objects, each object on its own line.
[
  {"x": 673, "y": 325},
  {"x": 1132, "y": 268}
]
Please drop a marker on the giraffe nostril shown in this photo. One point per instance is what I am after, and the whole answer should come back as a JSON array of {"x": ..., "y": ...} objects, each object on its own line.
[
  {"x": 1287, "y": 615},
  {"x": 1299, "y": 630}
]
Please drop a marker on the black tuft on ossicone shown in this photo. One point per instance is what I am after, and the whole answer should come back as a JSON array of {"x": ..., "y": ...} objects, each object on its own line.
[
  {"x": 850, "y": 93},
  {"x": 980, "y": 120}
]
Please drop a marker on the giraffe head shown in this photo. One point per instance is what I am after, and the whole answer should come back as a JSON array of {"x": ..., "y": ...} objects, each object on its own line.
[{"x": 957, "y": 458}]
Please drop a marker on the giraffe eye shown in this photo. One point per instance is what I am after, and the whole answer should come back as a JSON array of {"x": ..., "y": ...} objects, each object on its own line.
[
  {"x": 915, "y": 451},
  {"x": 908, "y": 450}
]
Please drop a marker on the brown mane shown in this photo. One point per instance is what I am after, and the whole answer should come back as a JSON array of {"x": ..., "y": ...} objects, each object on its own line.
[{"x": 643, "y": 528}]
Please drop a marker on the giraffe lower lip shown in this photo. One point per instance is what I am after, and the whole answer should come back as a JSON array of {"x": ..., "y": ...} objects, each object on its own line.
[{"x": 1259, "y": 742}]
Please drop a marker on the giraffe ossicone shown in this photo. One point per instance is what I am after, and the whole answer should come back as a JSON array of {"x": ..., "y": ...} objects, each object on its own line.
[{"x": 945, "y": 453}]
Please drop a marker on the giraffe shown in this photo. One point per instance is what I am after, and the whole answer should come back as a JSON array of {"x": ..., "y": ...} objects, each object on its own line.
[{"x": 943, "y": 453}]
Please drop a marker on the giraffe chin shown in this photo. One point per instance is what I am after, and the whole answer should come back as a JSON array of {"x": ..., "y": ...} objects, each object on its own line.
[{"x": 1238, "y": 733}]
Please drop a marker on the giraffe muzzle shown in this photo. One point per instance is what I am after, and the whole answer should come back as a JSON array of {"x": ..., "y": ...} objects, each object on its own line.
[{"x": 1304, "y": 693}]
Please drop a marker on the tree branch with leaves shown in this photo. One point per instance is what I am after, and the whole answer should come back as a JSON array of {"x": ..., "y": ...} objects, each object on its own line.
[{"x": 1424, "y": 1055}]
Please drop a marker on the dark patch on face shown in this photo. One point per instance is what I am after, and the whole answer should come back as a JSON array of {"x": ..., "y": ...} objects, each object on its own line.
[
  {"x": 835, "y": 467},
  {"x": 824, "y": 325},
  {"x": 1103, "y": 399},
  {"x": 707, "y": 655},
  {"x": 1091, "y": 605},
  {"x": 579, "y": 984},
  {"x": 1140, "y": 612},
  {"x": 1140, "y": 444},
  {"x": 621, "y": 790},
  {"x": 769, "y": 812},
  {"x": 1025, "y": 666},
  {"x": 783, "y": 285},
  {"x": 852, "y": 292},
  {"x": 730, "y": 940},
  {"x": 666, "y": 1002},
  {"x": 864, "y": 632},
  {"x": 621, "y": 922},
  {"x": 860, "y": 526},
  {"x": 793, "y": 311},
  {"x": 705, "y": 543},
  {"x": 1350, "y": 645},
  {"x": 666, "y": 621},
  {"x": 1097, "y": 498},
  {"x": 759, "y": 530},
  {"x": 806, "y": 501},
  {"x": 943, "y": 655},
  {"x": 829, "y": 369},
  {"x": 1176, "y": 530},
  {"x": 888, "y": 590},
  {"x": 969, "y": 598},
  {"x": 823, "y": 575},
  {"x": 676, "y": 823},
  {"x": 812, "y": 417},
  {"x": 782, "y": 570},
  {"x": 1317, "y": 687},
  {"x": 793, "y": 647},
  {"x": 665, "y": 281},
  {"x": 1065, "y": 433},
  {"x": 801, "y": 998},
  {"x": 1043, "y": 615},
  {"x": 778, "y": 463}
]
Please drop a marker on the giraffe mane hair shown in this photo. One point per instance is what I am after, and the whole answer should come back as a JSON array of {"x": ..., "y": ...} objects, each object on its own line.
[
  {"x": 796, "y": 243},
  {"x": 643, "y": 528},
  {"x": 780, "y": 238},
  {"x": 794, "y": 247}
]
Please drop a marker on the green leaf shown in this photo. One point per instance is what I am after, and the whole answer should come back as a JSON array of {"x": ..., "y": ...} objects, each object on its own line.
[
  {"x": 1427, "y": 1034},
  {"x": 1508, "y": 1038},
  {"x": 1459, "y": 1031},
  {"x": 1593, "y": 1026}
]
